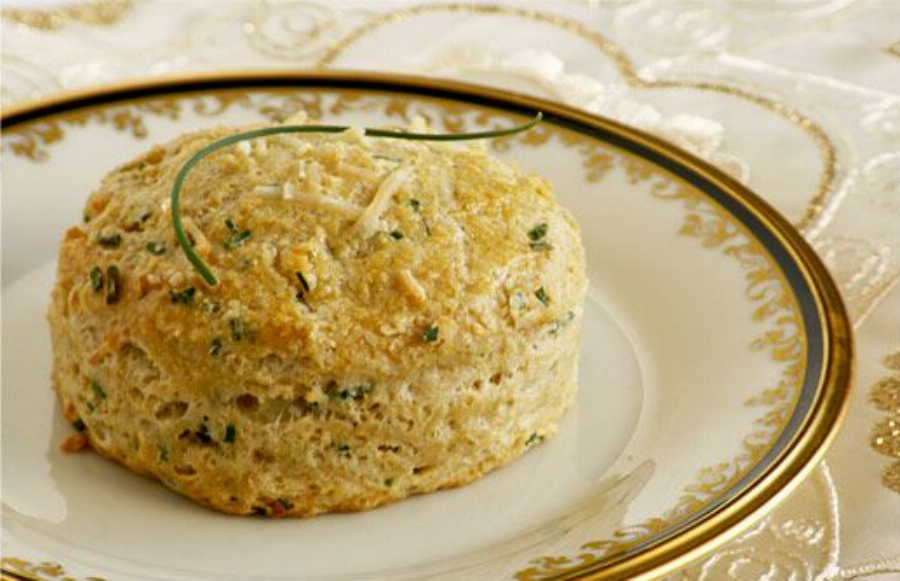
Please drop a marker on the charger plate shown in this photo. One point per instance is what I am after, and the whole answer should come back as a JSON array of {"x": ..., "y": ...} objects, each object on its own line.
[{"x": 716, "y": 364}]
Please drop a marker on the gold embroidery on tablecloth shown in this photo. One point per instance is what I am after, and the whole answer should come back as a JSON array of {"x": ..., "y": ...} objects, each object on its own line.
[
  {"x": 894, "y": 49},
  {"x": 815, "y": 207},
  {"x": 885, "y": 435},
  {"x": 43, "y": 571},
  {"x": 789, "y": 544},
  {"x": 892, "y": 361},
  {"x": 93, "y": 13}
]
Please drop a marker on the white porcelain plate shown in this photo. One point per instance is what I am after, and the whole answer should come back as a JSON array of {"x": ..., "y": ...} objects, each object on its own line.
[{"x": 715, "y": 365}]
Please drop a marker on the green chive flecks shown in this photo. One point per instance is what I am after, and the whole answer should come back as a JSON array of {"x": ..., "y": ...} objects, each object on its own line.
[
  {"x": 355, "y": 393},
  {"x": 113, "y": 285},
  {"x": 230, "y": 434},
  {"x": 537, "y": 237},
  {"x": 215, "y": 347},
  {"x": 96, "y": 279},
  {"x": 542, "y": 296},
  {"x": 156, "y": 248},
  {"x": 237, "y": 238},
  {"x": 430, "y": 335},
  {"x": 184, "y": 297},
  {"x": 538, "y": 232},
  {"x": 397, "y": 235},
  {"x": 562, "y": 322},
  {"x": 109, "y": 240},
  {"x": 534, "y": 438},
  {"x": 98, "y": 389},
  {"x": 178, "y": 184}
]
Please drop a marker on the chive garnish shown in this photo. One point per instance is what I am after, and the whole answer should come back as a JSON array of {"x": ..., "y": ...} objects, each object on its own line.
[
  {"x": 415, "y": 204},
  {"x": 155, "y": 247},
  {"x": 163, "y": 452},
  {"x": 184, "y": 297},
  {"x": 388, "y": 481},
  {"x": 562, "y": 322},
  {"x": 534, "y": 438},
  {"x": 111, "y": 241},
  {"x": 112, "y": 285},
  {"x": 215, "y": 347},
  {"x": 355, "y": 393},
  {"x": 431, "y": 334},
  {"x": 537, "y": 235},
  {"x": 178, "y": 225},
  {"x": 78, "y": 424},
  {"x": 342, "y": 447},
  {"x": 542, "y": 296},
  {"x": 230, "y": 433},
  {"x": 238, "y": 238},
  {"x": 538, "y": 232},
  {"x": 285, "y": 503},
  {"x": 397, "y": 235},
  {"x": 98, "y": 389},
  {"x": 96, "y": 279}
]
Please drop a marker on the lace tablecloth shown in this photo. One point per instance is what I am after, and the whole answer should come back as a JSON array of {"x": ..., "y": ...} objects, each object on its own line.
[{"x": 798, "y": 98}]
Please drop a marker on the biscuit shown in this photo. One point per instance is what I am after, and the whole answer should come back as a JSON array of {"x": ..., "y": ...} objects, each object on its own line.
[{"x": 391, "y": 318}]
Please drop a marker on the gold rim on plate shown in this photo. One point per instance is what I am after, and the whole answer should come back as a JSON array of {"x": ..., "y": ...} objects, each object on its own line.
[{"x": 825, "y": 408}]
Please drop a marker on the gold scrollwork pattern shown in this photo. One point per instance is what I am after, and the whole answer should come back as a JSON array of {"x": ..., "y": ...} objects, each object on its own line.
[
  {"x": 885, "y": 437},
  {"x": 894, "y": 49},
  {"x": 33, "y": 140},
  {"x": 43, "y": 571},
  {"x": 714, "y": 228},
  {"x": 704, "y": 221},
  {"x": 92, "y": 13}
]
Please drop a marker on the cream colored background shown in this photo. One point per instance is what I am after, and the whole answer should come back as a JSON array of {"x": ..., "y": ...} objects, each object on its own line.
[{"x": 799, "y": 98}]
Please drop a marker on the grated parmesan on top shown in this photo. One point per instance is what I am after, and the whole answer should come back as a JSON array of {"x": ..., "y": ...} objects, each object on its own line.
[{"x": 368, "y": 222}]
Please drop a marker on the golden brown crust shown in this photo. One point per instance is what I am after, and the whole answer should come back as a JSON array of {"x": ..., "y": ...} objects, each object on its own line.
[{"x": 391, "y": 319}]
